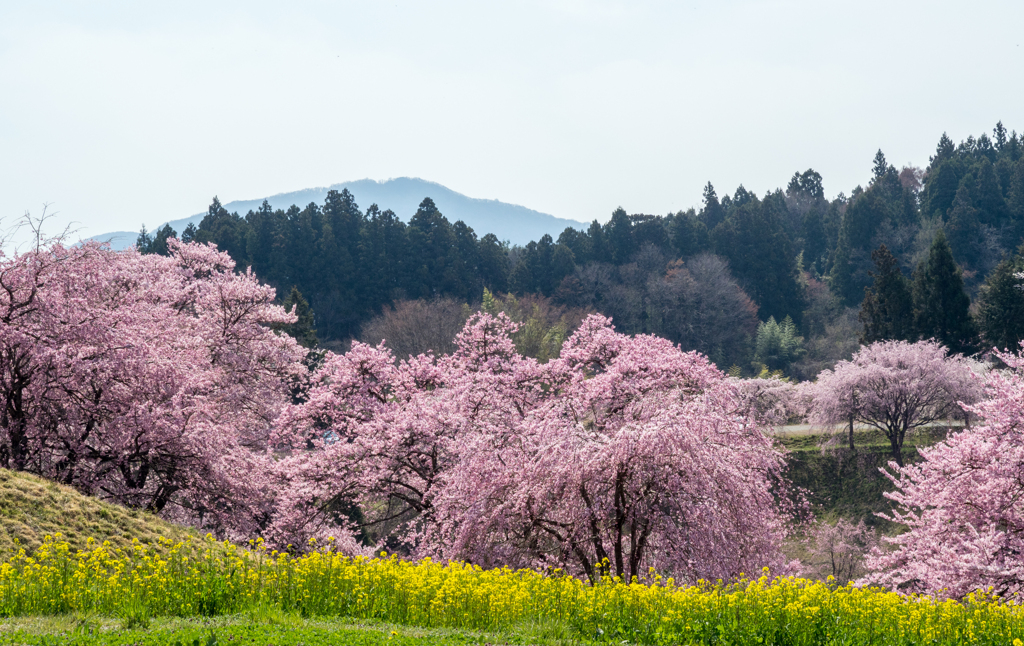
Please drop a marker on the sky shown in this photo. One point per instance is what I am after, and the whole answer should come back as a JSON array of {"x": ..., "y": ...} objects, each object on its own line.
[{"x": 116, "y": 114}]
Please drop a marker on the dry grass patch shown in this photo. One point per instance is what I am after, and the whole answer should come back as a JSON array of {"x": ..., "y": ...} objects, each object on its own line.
[{"x": 32, "y": 507}]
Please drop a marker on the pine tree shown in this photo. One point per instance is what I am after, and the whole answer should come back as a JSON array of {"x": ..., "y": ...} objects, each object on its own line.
[
  {"x": 712, "y": 214},
  {"x": 1001, "y": 305},
  {"x": 598, "y": 244},
  {"x": 761, "y": 255},
  {"x": 988, "y": 194},
  {"x": 301, "y": 330},
  {"x": 840, "y": 280},
  {"x": 619, "y": 233},
  {"x": 887, "y": 311},
  {"x": 964, "y": 229},
  {"x": 940, "y": 302},
  {"x": 944, "y": 150},
  {"x": 688, "y": 233},
  {"x": 157, "y": 243},
  {"x": 940, "y": 188},
  {"x": 881, "y": 166},
  {"x": 999, "y": 133},
  {"x": 144, "y": 241}
]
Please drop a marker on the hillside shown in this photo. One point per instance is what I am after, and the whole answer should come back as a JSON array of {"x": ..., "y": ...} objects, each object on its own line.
[
  {"x": 517, "y": 224},
  {"x": 32, "y": 507}
]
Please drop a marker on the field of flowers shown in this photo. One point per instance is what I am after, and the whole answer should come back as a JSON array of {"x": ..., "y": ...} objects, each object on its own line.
[{"x": 208, "y": 578}]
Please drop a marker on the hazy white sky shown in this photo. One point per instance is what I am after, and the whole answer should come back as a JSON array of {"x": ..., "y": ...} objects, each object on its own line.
[{"x": 118, "y": 113}]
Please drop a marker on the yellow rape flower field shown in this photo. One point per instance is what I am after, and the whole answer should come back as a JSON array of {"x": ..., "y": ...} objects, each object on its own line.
[{"x": 206, "y": 578}]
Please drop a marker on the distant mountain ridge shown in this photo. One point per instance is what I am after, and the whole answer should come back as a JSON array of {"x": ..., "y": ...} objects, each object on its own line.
[{"x": 517, "y": 224}]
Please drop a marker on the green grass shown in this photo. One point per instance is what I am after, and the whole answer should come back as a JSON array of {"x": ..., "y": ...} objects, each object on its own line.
[
  {"x": 849, "y": 483},
  {"x": 32, "y": 507},
  {"x": 274, "y": 628}
]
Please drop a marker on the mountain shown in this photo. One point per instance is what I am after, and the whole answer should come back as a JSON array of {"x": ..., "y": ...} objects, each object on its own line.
[{"x": 517, "y": 224}]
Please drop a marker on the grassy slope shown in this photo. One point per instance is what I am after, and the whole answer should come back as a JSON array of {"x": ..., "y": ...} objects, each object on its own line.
[
  {"x": 32, "y": 507},
  {"x": 849, "y": 483}
]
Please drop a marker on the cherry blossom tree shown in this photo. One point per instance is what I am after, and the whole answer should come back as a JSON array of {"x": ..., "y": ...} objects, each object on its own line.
[
  {"x": 839, "y": 549},
  {"x": 148, "y": 380},
  {"x": 962, "y": 503},
  {"x": 895, "y": 386},
  {"x": 770, "y": 401},
  {"x": 622, "y": 454}
]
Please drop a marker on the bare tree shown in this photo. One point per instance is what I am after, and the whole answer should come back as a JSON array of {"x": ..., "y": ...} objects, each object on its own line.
[{"x": 414, "y": 327}]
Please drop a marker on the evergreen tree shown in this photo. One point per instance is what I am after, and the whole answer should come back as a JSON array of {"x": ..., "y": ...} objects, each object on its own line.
[
  {"x": 999, "y": 134},
  {"x": 301, "y": 330},
  {"x": 881, "y": 166},
  {"x": 943, "y": 151},
  {"x": 808, "y": 183},
  {"x": 494, "y": 263},
  {"x": 688, "y": 233},
  {"x": 619, "y": 233},
  {"x": 227, "y": 230},
  {"x": 144, "y": 241},
  {"x": 988, "y": 194},
  {"x": 598, "y": 244},
  {"x": 650, "y": 231},
  {"x": 578, "y": 242},
  {"x": 1001, "y": 305},
  {"x": 382, "y": 254},
  {"x": 157, "y": 243},
  {"x": 562, "y": 264},
  {"x": 815, "y": 239},
  {"x": 940, "y": 187},
  {"x": 466, "y": 281},
  {"x": 940, "y": 302},
  {"x": 430, "y": 244},
  {"x": 761, "y": 255},
  {"x": 1016, "y": 192},
  {"x": 887, "y": 311},
  {"x": 840, "y": 279},
  {"x": 964, "y": 229},
  {"x": 712, "y": 214}
]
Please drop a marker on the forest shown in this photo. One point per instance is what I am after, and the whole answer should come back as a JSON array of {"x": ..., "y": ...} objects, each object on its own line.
[{"x": 786, "y": 281}]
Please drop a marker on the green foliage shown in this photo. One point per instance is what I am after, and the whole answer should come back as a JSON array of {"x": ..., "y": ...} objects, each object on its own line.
[
  {"x": 147, "y": 243},
  {"x": 840, "y": 280},
  {"x": 301, "y": 330},
  {"x": 540, "y": 334},
  {"x": 1001, "y": 305},
  {"x": 777, "y": 346},
  {"x": 940, "y": 301},
  {"x": 887, "y": 311},
  {"x": 964, "y": 228},
  {"x": 542, "y": 267},
  {"x": 761, "y": 255}
]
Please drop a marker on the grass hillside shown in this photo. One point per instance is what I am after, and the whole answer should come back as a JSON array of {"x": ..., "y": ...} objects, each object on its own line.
[
  {"x": 32, "y": 507},
  {"x": 846, "y": 483}
]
